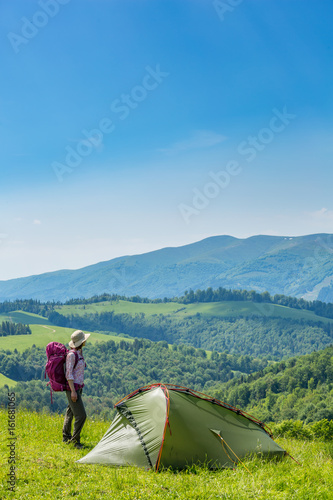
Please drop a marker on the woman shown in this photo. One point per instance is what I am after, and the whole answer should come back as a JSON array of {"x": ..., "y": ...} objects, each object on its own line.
[{"x": 75, "y": 366}]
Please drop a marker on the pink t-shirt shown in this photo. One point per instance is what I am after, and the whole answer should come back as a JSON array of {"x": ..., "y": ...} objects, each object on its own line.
[{"x": 77, "y": 373}]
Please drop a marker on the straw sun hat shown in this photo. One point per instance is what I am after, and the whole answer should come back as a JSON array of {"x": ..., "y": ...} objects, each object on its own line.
[{"x": 77, "y": 338}]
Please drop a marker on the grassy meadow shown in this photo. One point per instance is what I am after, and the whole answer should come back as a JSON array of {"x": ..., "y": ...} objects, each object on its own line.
[
  {"x": 24, "y": 317},
  {"x": 5, "y": 380},
  {"x": 41, "y": 335},
  {"x": 120, "y": 307},
  {"x": 46, "y": 468},
  {"x": 175, "y": 309}
]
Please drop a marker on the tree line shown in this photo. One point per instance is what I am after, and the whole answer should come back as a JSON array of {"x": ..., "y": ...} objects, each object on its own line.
[
  {"x": 257, "y": 336},
  {"x": 10, "y": 328},
  {"x": 28, "y": 305},
  {"x": 221, "y": 295},
  {"x": 209, "y": 295}
]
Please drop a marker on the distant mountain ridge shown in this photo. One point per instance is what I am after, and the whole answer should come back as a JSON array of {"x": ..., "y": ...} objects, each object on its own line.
[{"x": 300, "y": 266}]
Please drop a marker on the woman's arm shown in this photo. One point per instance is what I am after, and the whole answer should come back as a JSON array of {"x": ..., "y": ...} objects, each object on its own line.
[
  {"x": 73, "y": 391},
  {"x": 70, "y": 361}
]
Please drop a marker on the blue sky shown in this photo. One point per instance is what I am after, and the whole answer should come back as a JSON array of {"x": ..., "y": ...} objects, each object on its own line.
[{"x": 131, "y": 125}]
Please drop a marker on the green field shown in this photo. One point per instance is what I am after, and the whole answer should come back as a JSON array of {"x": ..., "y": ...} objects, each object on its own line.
[
  {"x": 24, "y": 317},
  {"x": 171, "y": 309},
  {"x": 174, "y": 309},
  {"x": 42, "y": 335},
  {"x": 120, "y": 307},
  {"x": 47, "y": 468},
  {"x": 5, "y": 380},
  {"x": 236, "y": 309}
]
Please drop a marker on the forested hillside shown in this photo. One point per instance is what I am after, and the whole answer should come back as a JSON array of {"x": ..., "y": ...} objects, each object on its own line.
[
  {"x": 243, "y": 343},
  {"x": 298, "y": 388},
  {"x": 114, "y": 370},
  {"x": 235, "y": 321},
  {"x": 261, "y": 336}
]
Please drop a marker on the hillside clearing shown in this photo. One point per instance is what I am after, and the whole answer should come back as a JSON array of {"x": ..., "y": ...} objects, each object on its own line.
[
  {"x": 24, "y": 317},
  {"x": 6, "y": 381},
  {"x": 41, "y": 336},
  {"x": 176, "y": 309}
]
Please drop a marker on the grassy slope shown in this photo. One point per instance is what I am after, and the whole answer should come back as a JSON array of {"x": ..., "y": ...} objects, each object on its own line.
[
  {"x": 5, "y": 380},
  {"x": 223, "y": 309},
  {"x": 42, "y": 335},
  {"x": 24, "y": 317},
  {"x": 46, "y": 468},
  {"x": 119, "y": 307}
]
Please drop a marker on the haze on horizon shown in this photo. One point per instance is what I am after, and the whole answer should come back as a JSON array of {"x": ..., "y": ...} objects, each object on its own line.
[{"x": 132, "y": 126}]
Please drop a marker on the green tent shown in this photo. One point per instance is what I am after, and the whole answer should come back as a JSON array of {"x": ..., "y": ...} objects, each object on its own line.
[{"x": 170, "y": 426}]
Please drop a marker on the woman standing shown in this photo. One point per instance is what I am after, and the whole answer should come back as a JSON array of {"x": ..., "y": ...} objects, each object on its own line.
[{"x": 75, "y": 366}]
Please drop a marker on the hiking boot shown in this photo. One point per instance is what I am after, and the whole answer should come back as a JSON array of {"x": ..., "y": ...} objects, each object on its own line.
[{"x": 79, "y": 446}]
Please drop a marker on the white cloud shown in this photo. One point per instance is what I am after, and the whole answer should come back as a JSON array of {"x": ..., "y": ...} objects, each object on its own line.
[
  {"x": 322, "y": 215},
  {"x": 36, "y": 222},
  {"x": 198, "y": 140}
]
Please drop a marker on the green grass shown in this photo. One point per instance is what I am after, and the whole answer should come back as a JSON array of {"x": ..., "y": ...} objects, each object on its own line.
[
  {"x": 42, "y": 335},
  {"x": 174, "y": 309},
  {"x": 43, "y": 332},
  {"x": 5, "y": 380},
  {"x": 46, "y": 468},
  {"x": 24, "y": 317},
  {"x": 236, "y": 309},
  {"x": 223, "y": 309},
  {"x": 120, "y": 307}
]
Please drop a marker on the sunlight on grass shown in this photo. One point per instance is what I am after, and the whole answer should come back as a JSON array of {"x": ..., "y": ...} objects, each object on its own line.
[
  {"x": 47, "y": 468},
  {"x": 42, "y": 334},
  {"x": 179, "y": 310},
  {"x": 6, "y": 381}
]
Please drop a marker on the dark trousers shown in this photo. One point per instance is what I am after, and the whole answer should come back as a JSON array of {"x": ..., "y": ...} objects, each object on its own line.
[{"x": 77, "y": 411}]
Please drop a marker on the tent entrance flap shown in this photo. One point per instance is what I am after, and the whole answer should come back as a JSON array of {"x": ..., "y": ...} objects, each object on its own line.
[
  {"x": 135, "y": 435},
  {"x": 127, "y": 414}
]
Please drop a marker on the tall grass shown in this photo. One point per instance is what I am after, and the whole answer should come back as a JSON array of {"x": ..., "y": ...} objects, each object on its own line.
[{"x": 46, "y": 468}]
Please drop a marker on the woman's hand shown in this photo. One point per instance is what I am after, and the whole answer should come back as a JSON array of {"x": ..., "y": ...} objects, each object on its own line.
[
  {"x": 73, "y": 391},
  {"x": 73, "y": 396}
]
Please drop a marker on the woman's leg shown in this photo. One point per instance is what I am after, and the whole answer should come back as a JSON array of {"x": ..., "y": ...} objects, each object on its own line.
[
  {"x": 80, "y": 415},
  {"x": 67, "y": 427}
]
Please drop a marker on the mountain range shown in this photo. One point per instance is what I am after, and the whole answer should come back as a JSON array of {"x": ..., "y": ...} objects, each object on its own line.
[{"x": 299, "y": 266}]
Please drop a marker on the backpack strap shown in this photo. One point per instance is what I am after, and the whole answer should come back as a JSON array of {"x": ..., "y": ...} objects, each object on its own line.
[
  {"x": 76, "y": 357},
  {"x": 76, "y": 354}
]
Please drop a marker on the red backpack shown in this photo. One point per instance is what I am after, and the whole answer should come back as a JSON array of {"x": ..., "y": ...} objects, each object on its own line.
[{"x": 55, "y": 367}]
